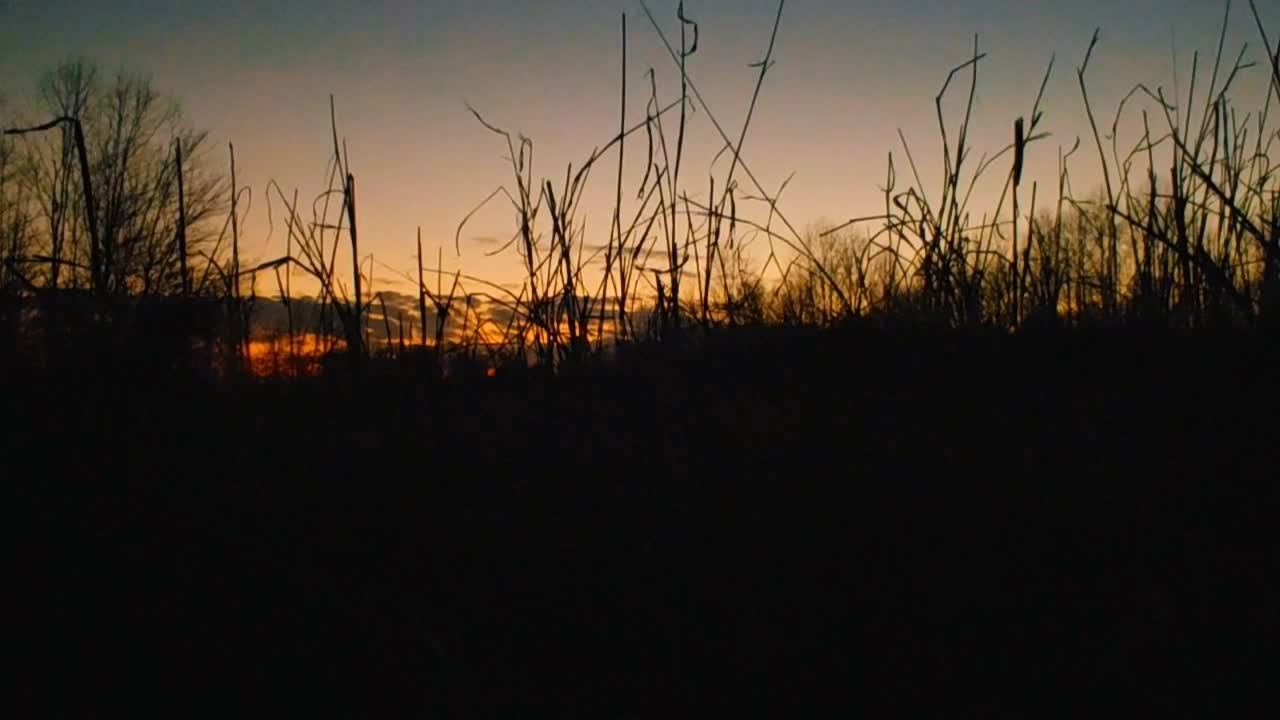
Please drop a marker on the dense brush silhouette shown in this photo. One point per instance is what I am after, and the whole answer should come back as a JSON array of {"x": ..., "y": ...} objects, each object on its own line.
[
  {"x": 996, "y": 468},
  {"x": 881, "y": 518}
]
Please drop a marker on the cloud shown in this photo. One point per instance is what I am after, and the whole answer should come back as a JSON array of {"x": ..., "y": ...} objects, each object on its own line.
[
  {"x": 499, "y": 314},
  {"x": 396, "y": 301}
]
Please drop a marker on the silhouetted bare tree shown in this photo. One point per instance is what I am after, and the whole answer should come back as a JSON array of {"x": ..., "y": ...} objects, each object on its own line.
[
  {"x": 130, "y": 132},
  {"x": 15, "y": 220}
]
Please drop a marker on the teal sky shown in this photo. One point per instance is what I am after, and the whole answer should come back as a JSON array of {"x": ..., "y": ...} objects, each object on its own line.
[{"x": 849, "y": 75}]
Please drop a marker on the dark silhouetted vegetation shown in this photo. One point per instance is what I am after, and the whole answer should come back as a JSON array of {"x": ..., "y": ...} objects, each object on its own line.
[{"x": 984, "y": 461}]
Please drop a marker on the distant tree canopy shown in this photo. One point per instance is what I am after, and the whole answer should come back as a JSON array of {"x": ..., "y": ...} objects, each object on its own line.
[{"x": 131, "y": 134}]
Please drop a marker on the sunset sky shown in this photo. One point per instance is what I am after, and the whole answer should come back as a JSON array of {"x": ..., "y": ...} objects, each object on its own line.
[{"x": 848, "y": 75}]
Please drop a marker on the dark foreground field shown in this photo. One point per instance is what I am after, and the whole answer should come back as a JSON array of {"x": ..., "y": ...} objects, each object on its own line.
[{"x": 978, "y": 525}]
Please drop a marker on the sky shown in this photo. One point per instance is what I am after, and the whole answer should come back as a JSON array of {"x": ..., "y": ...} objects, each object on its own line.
[{"x": 849, "y": 75}]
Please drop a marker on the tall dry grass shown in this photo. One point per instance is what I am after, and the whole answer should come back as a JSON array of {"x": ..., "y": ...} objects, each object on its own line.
[{"x": 1182, "y": 233}]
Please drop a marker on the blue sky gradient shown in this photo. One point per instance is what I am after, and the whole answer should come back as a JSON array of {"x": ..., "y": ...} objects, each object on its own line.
[{"x": 849, "y": 76}]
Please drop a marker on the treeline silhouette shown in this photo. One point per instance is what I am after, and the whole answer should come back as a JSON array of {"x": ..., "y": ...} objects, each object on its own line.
[{"x": 994, "y": 463}]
